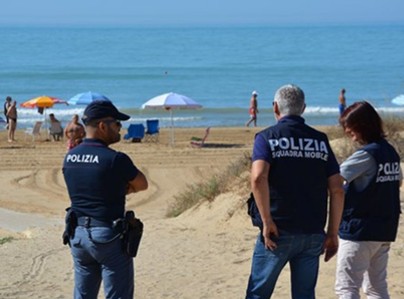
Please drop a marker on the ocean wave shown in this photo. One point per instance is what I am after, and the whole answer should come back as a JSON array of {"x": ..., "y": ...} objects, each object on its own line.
[{"x": 222, "y": 117}]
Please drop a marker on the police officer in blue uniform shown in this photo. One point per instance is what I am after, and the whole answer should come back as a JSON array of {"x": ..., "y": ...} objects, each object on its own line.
[
  {"x": 372, "y": 206},
  {"x": 98, "y": 179},
  {"x": 293, "y": 171}
]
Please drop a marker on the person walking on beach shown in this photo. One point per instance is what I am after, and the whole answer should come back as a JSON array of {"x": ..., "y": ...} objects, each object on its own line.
[
  {"x": 253, "y": 110},
  {"x": 74, "y": 132},
  {"x": 12, "y": 121},
  {"x": 342, "y": 101},
  {"x": 293, "y": 171},
  {"x": 7, "y": 105},
  {"x": 98, "y": 179},
  {"x": 372, "y": 206}
]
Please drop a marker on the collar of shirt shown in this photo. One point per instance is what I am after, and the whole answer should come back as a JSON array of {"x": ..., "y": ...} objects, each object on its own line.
[
  {"x": 291, "y": 119},
  {"x": 93, "y": 141}
]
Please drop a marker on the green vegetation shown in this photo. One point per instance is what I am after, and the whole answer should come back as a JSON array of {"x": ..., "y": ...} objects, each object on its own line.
[
  {"x": 5, "y": 240},
  {"x": 231, "y": 177},
  {"x": 394, "y": 129},
  {"x": 208, "y": 190}
]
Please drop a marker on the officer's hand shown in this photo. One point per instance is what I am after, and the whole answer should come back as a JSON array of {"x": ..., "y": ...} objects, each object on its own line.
[
  {"x": 270, "y": 230},
  {"x": 330, "y": 247}
]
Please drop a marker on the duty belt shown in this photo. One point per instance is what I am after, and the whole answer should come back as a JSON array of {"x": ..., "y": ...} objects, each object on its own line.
[{"x": 92, "y": 222}]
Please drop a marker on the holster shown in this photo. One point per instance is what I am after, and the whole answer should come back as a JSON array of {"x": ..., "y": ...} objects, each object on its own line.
[
  {"x": 253, "y": 212},
  {"x": 70, "y": 226},
  {"x": 132, "y": 234}
]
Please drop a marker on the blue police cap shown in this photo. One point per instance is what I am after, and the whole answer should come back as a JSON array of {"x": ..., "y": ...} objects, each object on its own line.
[{"x": 101, "y": 109}]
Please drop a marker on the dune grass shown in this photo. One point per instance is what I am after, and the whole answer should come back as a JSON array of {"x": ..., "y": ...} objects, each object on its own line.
[
  {"x": 209, "y": 189},
  {"x": 393, "y": 127},
  {"x": 5, "y": 240}
]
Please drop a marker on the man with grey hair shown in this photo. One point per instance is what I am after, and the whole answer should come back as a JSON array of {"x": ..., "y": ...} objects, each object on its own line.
[{"x": 293, "y": 171}]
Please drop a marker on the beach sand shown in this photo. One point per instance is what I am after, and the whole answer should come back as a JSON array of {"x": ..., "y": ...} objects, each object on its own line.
[{"x": 203, "y": 253}]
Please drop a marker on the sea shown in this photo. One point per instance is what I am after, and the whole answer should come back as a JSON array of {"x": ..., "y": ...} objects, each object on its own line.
[{"x": 217, "y": 66}]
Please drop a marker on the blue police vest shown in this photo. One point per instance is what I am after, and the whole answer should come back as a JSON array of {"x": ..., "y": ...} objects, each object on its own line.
[
  {"x": 300, "y": 163},
  {"x": 373, "y": 214},
  {"x": 97, "y": 177}
]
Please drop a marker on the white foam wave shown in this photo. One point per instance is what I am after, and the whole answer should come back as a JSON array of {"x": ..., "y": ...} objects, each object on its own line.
[{"x": 321, "y": 110}]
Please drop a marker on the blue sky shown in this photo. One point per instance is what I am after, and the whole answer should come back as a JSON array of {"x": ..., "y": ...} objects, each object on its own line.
[{"x": 202, "y": 12}]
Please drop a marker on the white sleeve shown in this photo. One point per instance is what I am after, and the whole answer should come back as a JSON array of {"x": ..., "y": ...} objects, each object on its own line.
[{"x": 359, "y": 164}]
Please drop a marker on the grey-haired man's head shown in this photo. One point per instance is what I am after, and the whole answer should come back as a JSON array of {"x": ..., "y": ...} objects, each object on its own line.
[{"x": 290, "y": 100}]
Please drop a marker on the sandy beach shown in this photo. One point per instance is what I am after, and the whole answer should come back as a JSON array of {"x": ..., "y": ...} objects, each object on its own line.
[{"x": 203, "y": 253}]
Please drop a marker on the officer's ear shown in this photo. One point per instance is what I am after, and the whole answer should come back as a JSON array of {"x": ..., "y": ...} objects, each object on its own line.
[
  {"x": 102, "y": 126},
  {"x": 275, "y": 107},
  {"x": 304, "y": 108}
]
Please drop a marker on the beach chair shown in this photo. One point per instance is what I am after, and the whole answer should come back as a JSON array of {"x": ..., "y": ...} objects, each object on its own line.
[
  {"x": 3, "y": 124},
  {"x": 135, "y": 133},
  {"x": 56, "y": 131},
  {"x": 35, "y": 131},
  {"x": 152, "y": 130},
  {"x": 199, "y": 142}
]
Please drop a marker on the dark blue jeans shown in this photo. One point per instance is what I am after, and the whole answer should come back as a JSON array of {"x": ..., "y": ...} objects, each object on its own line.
[
  {"x": 302, "y": 251},
  {"x": 98, "y": 255}
]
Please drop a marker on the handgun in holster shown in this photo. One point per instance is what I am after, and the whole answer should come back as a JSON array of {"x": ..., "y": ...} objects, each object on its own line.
[
  {"x": 70, "y": 226},
  {"x": 133, "y": 232}
]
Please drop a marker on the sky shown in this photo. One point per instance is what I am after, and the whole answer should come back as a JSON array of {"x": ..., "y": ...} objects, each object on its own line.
[{"x": 200, "y": 12}]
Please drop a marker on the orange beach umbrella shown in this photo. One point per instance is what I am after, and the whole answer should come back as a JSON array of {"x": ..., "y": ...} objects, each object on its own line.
[{"x": 42, "y": 102}]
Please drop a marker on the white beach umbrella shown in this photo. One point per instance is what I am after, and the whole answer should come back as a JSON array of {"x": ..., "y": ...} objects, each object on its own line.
[{"x": 170, "y": 101}]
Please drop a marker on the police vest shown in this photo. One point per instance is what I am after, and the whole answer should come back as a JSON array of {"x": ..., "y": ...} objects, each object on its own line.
[
  {"x": 298, "y": 178},
  {"x": 373, "y": 214}
]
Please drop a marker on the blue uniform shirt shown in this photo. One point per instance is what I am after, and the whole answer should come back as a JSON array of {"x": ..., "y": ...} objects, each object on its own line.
[
  {"x": 97, "y": 178},
  {"x": 301, "y": 161}
]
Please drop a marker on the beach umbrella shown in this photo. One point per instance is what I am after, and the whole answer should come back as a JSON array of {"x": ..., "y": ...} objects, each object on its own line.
[
  {"x": 42, "y": 103},
  {"x": 399, "y": 100},
  {"x": 170, "y": 101},
  {"x": 86, "y": 98}
]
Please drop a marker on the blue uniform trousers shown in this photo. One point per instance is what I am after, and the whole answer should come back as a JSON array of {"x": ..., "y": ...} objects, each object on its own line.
[{"x": 98, "y": 255}]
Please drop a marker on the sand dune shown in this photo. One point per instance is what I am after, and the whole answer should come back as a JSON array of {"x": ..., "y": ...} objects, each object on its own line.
[{"x": 203, "y": 253}]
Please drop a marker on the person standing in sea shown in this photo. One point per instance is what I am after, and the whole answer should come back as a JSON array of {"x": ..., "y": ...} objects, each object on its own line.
[
  {"x": 293, "y": 173},
  {"x": 342, "y": 101},
  {"x": 253, "y": 110}
]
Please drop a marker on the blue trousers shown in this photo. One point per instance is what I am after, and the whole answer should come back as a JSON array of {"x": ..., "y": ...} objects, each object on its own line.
[
  {"x": 98, "y": 255},
  {"x": 302, "y": 251}
]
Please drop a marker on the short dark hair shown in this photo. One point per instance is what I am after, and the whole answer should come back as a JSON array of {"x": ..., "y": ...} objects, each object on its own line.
[{"x": 362, "y": 118}]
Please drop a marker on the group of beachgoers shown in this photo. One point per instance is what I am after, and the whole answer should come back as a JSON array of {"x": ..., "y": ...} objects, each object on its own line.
[{"x": 74, "y": 131}]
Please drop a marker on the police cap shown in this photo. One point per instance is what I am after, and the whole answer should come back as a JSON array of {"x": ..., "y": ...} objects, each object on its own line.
[{"x": 101, "y": 109}]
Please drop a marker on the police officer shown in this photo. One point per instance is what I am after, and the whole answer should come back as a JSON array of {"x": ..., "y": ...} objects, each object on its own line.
[
  {"x": 98, "y": 179},
  {"x": 372, "y": 205},
  {"x": 293, "y": 170}
]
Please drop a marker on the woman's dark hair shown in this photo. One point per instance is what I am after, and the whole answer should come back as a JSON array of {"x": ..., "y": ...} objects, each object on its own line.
[{"x": 362, "y": 118}]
